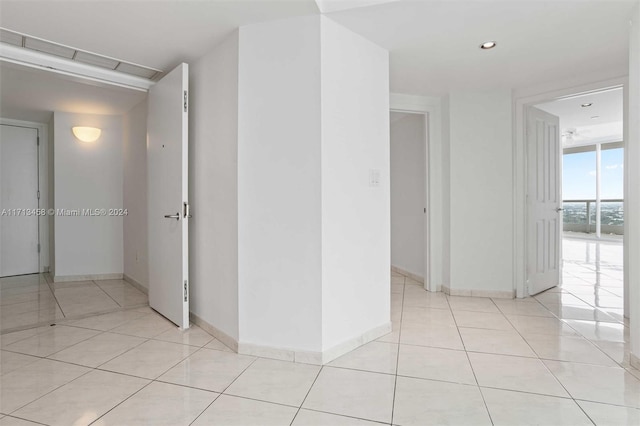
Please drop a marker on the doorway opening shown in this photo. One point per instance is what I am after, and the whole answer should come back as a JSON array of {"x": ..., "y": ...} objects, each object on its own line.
[
  {"x": 408, "y": 138},
  {"x": 67, "y": 231},
  {"x": 590, "y": 209}
]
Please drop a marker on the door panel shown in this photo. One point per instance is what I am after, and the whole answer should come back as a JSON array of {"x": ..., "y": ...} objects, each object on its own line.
[
  {"x": 167, "y": 171},
  {"x": 18, "y": 192},
  {"x": 544, "y": 200}
]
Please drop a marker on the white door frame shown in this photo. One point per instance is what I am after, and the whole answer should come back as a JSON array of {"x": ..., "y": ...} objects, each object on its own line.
[
  {"x": 433, "y": 236},
  {"x": 43, "y": 185},
  {"x": 520, "y": 172}
]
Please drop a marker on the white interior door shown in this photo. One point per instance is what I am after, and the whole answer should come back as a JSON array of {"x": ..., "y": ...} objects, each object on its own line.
[
  {"x": 544, "y": 200},
  {"x": 18, "y": 200},
  {"x": 167, "y": 171}
]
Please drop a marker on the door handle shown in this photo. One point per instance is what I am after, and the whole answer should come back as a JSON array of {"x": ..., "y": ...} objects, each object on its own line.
[
  {"x": 558, "y": 209},
  {"x": 173, "y": 216}
]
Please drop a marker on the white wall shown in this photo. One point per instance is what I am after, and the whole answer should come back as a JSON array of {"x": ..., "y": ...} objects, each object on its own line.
[
  {"x": 632, "y": 196},
  {"x": 88, "y": 175},
  {"x": 134, "y": 156},
  {"x": 446, "y": 192},
  {"x": 279, "y": 210},
  {"x": 213, "y": 187},
  {"x": 313, "y": 236},
  {"x": 481, "y": 199},
  {"x": 408, "y": 193},
  {"x": 51, "y": 198},
  {"x": 355, "y": 216}
]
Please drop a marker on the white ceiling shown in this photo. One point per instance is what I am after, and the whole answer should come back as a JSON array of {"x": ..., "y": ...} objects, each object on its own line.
[
  {"x": 433, "y": 43},
  {"x": 31, "y": 95},
  {"x": 607, "y": 106},
  {"x": 155, "y": 33}
]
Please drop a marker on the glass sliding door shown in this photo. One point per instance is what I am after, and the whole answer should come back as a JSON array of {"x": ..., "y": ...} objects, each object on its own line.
[
  {"x": 579, "y": 191},
  {"x": 612, "y": 190},
  {"x": 584, "y": 197}
]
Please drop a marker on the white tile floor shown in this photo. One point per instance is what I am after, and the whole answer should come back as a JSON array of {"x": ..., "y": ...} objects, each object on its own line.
[
  {"x": 34, "y": 300},
  {"x": 560, "y": 358}
]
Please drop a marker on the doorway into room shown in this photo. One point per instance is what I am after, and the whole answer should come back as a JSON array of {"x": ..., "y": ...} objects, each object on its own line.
[
  {"x": 591, "y": 207},
  {"x": 408, "y": 194}
]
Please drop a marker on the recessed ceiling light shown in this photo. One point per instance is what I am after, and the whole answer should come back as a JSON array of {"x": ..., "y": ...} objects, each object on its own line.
[
  {"x": 585, "y": 105},
  {"x": 488, "y": 45}
]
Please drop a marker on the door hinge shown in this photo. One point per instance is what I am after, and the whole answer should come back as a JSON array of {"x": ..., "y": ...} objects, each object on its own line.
[
  {"x": 425, "y": 209},
  {"x": 185, "y": 101},
  {"x": 38, "y": 140},
  {"x": 38, "y": 194},
  {"x": 186, "y": 210},
  {"x": 38, "y": 247},
  {"x": 186, "y": 291}
]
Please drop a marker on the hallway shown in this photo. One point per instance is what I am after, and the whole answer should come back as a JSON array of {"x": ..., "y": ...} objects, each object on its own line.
[{"x": 558, "y": 358}]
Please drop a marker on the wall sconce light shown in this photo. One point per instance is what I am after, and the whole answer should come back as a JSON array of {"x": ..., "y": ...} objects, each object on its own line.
[{"x": 86, "y": 134}]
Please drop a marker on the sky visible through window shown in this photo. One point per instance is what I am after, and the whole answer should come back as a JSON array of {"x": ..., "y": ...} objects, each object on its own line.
[{"x": 579, "y": 175}]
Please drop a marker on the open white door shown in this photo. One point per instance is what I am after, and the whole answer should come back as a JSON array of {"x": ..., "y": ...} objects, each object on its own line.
[
  {"x": 544, "y": 200},
  {"x": 167, "y": 171},
  {"x": 18, "y": 200}
]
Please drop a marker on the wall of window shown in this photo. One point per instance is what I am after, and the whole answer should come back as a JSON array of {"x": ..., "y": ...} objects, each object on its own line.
[{"x": 592, "y": 189}]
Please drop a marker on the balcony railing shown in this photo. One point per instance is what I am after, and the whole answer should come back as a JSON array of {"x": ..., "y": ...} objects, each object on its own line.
[{"x": 580, "y": 216}]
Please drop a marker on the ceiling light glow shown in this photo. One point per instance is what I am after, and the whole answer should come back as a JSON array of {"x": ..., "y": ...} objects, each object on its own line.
[{"x": 488, "y": 45}]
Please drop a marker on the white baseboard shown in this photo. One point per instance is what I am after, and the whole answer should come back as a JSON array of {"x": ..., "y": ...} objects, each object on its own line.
[
  {"x": 292, "y": 355},
  {"x": 314, "y": 357},
  {"x": 143, "y": 288},
  {"x": 406, "y": 273},
  {"x": 227, "y": 340},
  {"x": 478, "y": 293},
  {"x": 95, "y": 277},
  {"x": 351, "y": 344}
]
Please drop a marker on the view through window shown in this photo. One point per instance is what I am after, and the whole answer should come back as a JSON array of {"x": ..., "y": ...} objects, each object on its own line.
[{"x": 579, "y": 188}]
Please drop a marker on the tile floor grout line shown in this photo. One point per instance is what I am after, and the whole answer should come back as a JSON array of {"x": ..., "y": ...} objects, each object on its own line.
[
  {"x": 53, "y": 390},
  {"x": 123, "y": 401},
  {"x": 97, "y": 329},
  {"x": 307, "y": 394},
  {"x": 608, "y": 403},
  {"x": 111, "y": 359},
  {"x": 48, "y": 355},
  {"x": 53, "y": 293},
  {"x": 484, "y": 401},
  {"x": 348, "y": 416},
  {"x": 105, "y": 292},
  {"x": 566, "y": 398},
  {"x": 205, "y": 408},
  {"x": 395, "y": 382},
  {"x": 224, "y": 390},
  {"x": 147, "y": 378},
  {"x": 541, "y": 361},
  {"x": 25, "y": 419}
]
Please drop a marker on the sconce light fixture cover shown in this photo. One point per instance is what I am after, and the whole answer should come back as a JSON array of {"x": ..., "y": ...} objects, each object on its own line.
[{"x": 87, "y": 134}]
